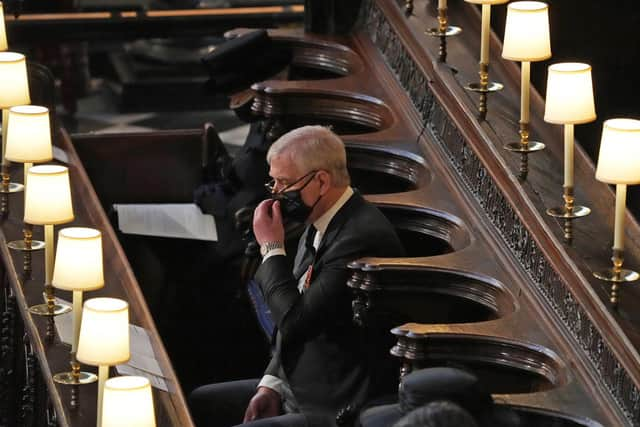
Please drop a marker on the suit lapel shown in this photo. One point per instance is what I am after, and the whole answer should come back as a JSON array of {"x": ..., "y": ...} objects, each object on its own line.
[{"x": 337, "y": 222}]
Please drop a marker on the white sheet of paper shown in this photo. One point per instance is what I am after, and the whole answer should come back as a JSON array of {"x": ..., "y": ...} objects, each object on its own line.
[
  {"x": 155, "y": 381},
  {"x": 139, "y": 341},
  {"x": 64, "y": 323},
  {"x": 60, "y": 155},
  {"x": 183, "y": 221},
  {"x": 143, "y": 361},
  {"x": 142, "y": 355}
]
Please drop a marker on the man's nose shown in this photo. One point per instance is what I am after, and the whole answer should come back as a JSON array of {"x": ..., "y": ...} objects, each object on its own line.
[{"x": 277, "y": 187}]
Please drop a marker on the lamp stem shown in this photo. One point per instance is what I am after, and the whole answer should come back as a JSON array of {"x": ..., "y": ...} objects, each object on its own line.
[
  {"x": 48, "y": 266},
  {"x": 4, "y": 169},
  {"x": 524, "y": 92},
  {"x": 5, "y": 126},
  {"x": 485, "y": 33},
  {"x": 77, "y": 318},
  {"x": 103, "y": 375},
  {"x": 49, "y": 253},
  {"x": 621, "y": 202},
  {"x": 568, "y": 155},
  {"x": 442, "y": 18},
  {"x": 26, "y": 167}
]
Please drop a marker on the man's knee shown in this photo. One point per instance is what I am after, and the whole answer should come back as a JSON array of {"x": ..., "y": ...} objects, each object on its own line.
[{"x": 221, "y": 402}]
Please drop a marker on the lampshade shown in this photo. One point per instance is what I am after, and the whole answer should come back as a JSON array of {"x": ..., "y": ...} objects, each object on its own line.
[
  {"x": 78, "y": 264},
  {"x": 127, "y": 402},
  {"x": 619, "y": 157},
  {"x": 3, "y": 30},
  {"x": 48, "y": 196},
  {"x": 526, "y": 33},
  {"x": 14, "y": 84},
  {"x": 29, "y": 135},
  {"x": 104, "y": 334},
  {"x": 491, "y": 2},
  {"x": 569, "y": 97}
]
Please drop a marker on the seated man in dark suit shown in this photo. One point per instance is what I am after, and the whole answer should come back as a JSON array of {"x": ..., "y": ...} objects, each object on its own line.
[{"x": 321, "y": 367}]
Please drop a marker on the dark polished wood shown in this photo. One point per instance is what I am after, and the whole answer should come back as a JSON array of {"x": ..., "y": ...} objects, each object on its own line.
[
  {"x": 534, "y": 290},
  {"x": 136, "y": 24},
  {"x": 488, "y": 284},
  {"x": 49, "y": 357}
]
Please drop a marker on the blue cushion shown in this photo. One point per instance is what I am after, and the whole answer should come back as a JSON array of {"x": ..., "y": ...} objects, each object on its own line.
[{"x": 263, "y": 313}]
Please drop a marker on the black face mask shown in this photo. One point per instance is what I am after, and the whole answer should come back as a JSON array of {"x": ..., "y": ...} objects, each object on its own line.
[{"x": 292, "y": 206}]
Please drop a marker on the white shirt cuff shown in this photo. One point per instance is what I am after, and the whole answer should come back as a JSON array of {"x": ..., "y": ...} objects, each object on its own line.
[
  {"x": 274, "y": 383},
  {"x": 272, "y": 252}
]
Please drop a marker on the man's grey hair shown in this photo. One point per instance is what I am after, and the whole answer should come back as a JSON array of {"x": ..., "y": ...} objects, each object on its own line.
[{"x": 313, "y": 148}]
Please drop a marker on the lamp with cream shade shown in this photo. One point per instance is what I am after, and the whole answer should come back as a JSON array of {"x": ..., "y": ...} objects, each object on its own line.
[
  {"x": 526, "y": 39},
  {"x": 569, "y": 101},
  {"x": 14, "y": 90},
  {"x": 3, "y": 30},
  {"x": 78, "y": 267},
  {"x": 104, "y": 339},
  {"x": 484, "y": 86},
  {"x": 619, "y": 164},
  {"x": 443, "y": 30},
  {"x": 48, "y": 203},
  {"x": 128, "y": 402},
  {"x": 28, "y": 142}
]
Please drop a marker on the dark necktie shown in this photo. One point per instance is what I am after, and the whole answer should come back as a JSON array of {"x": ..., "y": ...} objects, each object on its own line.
[{"x": 308, "y": 254}]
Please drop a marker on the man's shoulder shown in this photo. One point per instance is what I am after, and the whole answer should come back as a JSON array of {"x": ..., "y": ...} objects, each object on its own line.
[
  {"x": 366, "y": 213},
  {"x": 367, "y": 223}
]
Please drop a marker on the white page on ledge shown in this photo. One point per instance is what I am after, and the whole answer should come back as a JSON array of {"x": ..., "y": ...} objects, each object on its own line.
[
  {"x": 64, "y": 323},
  {"x": 183, "y": 221},
  {"x": 142, "y": 362},
  {"x": 156, "y": 381},
  {"x": 60, "y": 155}
]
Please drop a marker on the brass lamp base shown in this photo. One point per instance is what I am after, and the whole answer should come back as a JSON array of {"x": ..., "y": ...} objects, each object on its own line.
[
  {"x": 616, "y": 275},
  {"x": 484, "y": 87},
  {"x": 480, "y": 88},
  {"x": 621, "y": 276},
  {"x": 563, "y": 212},
  {"x": 568, "y": 215},
  {"x": 68, "y": 378},
  {"x": 13, "y": 187},
  {"x": 443, "y": 31},
  {"x": 75, "y": 378},
  {"x": 524, "y": 149},
  {"x": 20, "y": 245},
  {"x": 518, "y": 147},
  {"x": 448, "y": 31},
  {"x": 47, "y": 310}
]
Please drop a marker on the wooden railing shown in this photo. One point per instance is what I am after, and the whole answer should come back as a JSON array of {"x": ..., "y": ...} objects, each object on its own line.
[
  {"x": 32, "y": 352},
  {"x": 132, "y": 24}
]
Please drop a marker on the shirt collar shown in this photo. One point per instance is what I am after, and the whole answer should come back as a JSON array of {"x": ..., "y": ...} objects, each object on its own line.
[{"x": 322, "y": 223}]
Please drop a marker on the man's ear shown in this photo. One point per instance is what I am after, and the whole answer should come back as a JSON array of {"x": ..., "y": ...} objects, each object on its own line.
[{"x": 325, "y": 180}]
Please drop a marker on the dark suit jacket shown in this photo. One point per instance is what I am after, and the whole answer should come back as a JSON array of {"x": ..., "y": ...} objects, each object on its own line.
[{"x": 318, "y": 347}]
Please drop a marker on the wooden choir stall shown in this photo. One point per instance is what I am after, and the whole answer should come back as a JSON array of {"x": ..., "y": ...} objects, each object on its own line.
[{"x": 488, "y": 283}]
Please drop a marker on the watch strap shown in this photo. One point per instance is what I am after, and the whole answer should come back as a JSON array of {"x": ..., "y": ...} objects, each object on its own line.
[{"x": 269, "y": 246}]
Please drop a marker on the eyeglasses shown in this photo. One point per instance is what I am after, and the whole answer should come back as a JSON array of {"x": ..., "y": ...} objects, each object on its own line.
[{"x": 271, "y": 185}]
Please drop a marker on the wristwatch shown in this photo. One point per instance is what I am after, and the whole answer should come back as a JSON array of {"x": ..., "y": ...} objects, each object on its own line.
[{"x": 269, "y": 246}]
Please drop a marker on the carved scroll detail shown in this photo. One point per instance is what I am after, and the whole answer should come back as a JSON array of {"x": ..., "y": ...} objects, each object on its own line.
[
  {"x": 503, "y": 216},
  {"x": 23, "y": 393},
  {"x": 7, "y": 355}
]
